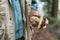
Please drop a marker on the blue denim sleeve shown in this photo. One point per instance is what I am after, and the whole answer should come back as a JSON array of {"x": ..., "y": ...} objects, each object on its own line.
[{"x": 19, "y": 25}]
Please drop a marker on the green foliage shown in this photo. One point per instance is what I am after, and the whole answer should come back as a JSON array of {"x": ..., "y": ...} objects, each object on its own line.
[
  {"x": 43, "y": 0},
  {"x": 58, "y": 37},
  {"x": 51, "y": 20},
  {"x": 57, "y": 24}
]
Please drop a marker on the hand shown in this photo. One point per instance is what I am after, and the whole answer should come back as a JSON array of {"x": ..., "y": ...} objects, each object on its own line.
[{"x": 35, "y": 16}]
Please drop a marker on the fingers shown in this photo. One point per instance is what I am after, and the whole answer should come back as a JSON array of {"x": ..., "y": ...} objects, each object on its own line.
[
  {"x": 46, "y": 21},
  {"x": 44, "y": 27},
  {"x": 35, "y": 19}
]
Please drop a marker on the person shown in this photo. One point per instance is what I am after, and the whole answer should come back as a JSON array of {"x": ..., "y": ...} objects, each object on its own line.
[
  {"x": 34, "y": 20},
  {"x": 34, "y": 13}
]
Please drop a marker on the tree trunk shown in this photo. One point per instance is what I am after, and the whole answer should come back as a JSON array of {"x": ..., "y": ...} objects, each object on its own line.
[{"x": 54, "y": 8}]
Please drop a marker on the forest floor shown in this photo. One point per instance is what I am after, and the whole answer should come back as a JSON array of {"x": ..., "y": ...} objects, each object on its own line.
[{"x": 47, "y": 34}]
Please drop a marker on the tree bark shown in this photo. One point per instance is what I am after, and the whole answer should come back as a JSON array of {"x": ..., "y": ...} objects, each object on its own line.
[{"x": 54, "y": 8}]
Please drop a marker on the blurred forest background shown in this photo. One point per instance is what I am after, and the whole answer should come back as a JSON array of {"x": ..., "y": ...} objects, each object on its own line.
[{"x": 52, "y": 12}]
